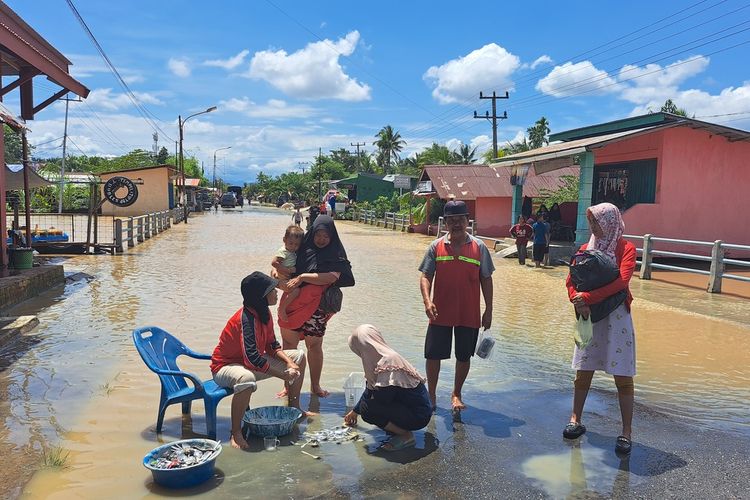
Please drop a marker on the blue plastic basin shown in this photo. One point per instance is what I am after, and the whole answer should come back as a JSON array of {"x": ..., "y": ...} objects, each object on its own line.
[
  {"x": 268, "y": 421},
  {"x": 186, "y": 477}
]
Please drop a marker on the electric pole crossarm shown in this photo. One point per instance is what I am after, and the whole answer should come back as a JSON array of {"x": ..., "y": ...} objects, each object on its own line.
[{"x": 494, "y": 117}]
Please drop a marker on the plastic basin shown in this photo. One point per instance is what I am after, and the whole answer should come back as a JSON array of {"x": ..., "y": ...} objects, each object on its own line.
[
  {"x": 185, "y": 477},
  {"x": 268, "y": 421}
]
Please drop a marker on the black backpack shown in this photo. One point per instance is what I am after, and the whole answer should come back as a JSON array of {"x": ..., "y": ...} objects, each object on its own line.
[{"x": 592, "y": 269}]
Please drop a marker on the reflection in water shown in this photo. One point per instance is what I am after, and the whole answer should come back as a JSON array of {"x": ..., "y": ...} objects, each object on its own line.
[{"x": 187, "y": 282}]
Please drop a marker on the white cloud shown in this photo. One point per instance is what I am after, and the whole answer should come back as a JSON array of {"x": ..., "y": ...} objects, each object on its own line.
[
  {"x": 313, "y": 72},
  {"x": 701, "y": 103},
  {"x": 453, "y": 144},
  {"x": 104, "y": 98},
  {"x": 487, "y": 68},
  {"x": 654, "y": 82},
  {"x": 544, "y": 59},
  {"x": 86, "y": 66},
  {"x": 577, "y": 78},
  {"x": 230, "y": 63},
  {"x": 481, "y": 142},
  {"x": 274, "y": 108},
  {"x": 179, "y": 66}
]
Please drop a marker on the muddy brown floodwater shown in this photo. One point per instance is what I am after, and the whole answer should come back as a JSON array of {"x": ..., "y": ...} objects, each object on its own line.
[{"x": 78, "y": 383}]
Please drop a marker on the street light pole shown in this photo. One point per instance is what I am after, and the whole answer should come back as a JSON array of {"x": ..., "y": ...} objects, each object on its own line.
[
  {"x": 181, "y": 166},
  {"x": 227, "y": 147}
]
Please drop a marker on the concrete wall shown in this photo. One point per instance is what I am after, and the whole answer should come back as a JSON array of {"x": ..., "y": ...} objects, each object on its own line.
[
  {"x": 701, "y": 187},
  {"x": 153, "y": 194},
  {"x": 493, "y": 216},
  {"x": 29, "y": 283}
]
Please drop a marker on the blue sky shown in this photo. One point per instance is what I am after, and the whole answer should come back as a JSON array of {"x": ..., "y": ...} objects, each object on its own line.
[{"x": 291, "y": 77}]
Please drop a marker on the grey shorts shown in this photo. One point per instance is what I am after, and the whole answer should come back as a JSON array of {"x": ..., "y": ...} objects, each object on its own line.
[{"x": 240, "y": 378}]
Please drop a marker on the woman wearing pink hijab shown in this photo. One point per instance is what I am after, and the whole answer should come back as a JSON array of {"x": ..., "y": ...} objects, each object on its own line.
[
  {"x": 612, "y": 348},
  {"x": 396, "y": 398}
]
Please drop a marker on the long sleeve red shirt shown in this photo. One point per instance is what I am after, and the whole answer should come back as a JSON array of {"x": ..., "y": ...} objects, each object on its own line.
[{"x": 625, "y": 254}]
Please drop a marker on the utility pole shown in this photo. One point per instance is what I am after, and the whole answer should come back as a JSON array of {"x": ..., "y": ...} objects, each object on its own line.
[
  {"x": 302, "y": 165},
  {"x": 494, "y": 116},
  {"x": 155, "y": 137},
  {"x": 358, "y": 144},
  {"x": 320, "y": 168},
  {"x": 62, "y": 167}
]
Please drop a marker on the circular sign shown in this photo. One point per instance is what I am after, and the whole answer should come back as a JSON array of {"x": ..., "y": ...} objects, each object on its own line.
[{"x": 120, "y": 191}]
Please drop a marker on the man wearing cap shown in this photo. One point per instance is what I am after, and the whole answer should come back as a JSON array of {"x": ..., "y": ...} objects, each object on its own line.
[{"x": 454, "y": 269}]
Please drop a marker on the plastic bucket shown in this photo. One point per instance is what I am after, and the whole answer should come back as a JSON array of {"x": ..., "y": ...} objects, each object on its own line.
[
  {"x": 22, "y": 258},
  {"x": 354, "y": 386}
]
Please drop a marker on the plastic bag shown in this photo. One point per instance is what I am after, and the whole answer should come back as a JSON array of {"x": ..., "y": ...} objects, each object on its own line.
[
  {"x": 485, "y": 344},
  {"x": 583, "y": 332}
]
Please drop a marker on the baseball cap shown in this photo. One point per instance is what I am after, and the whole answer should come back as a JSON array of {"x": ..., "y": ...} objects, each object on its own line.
[{"x": 455, "y": 207}]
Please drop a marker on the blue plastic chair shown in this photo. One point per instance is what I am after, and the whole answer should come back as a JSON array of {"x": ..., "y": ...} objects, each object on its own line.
[{"x": 159, "y": 351}]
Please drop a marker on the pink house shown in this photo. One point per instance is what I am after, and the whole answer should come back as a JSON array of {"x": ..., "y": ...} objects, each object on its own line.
[
  {"x": 487, "y": 191},
  {"x": 672, "y": 176}
]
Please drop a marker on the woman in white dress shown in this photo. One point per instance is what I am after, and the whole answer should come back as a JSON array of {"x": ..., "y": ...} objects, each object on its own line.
[{"x": 612, "y": 348}]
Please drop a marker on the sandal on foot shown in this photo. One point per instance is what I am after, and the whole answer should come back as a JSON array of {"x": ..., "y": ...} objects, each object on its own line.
[
  {"x": 397, "y": 443},
  {"x": 623, "y": 445},
  {"x": 574, "y": 430}
]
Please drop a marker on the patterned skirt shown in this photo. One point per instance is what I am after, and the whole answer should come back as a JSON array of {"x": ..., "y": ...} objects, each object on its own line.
[{"x": 612, "y": 348}]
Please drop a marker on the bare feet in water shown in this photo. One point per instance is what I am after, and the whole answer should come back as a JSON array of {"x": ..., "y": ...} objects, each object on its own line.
[
  {"x": 320, "y": 392},
  {"x": 237, "y": 441},
  {"x": 456, "y": 402}
]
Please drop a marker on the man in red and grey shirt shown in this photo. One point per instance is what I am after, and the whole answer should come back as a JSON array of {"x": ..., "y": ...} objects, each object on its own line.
[{"x": 454, "y": 269}]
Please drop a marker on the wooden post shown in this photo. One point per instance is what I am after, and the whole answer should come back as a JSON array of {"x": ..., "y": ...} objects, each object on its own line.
[
  {"x": 118, "y": 237},
  {"x": 717, "y": 267},
  {"x": 440, "y": 227},
  {"x": 646, "y": 258},
  {"x": 131, "y": 243},
  {"x": 147, "y": 231}
]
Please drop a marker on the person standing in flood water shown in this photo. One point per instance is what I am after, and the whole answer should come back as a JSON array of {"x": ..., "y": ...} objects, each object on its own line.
[
  {"x": 612, "y": 348},
  {"x": 321, "y": 263},
  {"x": 454, "y": 270}
]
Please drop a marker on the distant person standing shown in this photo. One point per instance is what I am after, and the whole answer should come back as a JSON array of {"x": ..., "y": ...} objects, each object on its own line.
[
  {"x": 313, "y": 213},
  {"x": 454, "y": 270},
  {"x": 545, "y": 260},
  {"x": 332, "y": 203},
  {"x": 540, "y": 241},
  {"x": 522, "y": 232},
  {"x": 297, "y": 218}
]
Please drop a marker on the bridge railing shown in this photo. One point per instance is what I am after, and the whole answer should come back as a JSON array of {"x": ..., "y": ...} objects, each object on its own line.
[
  {"x": 132, "y": 230},
  {"x": 717, "y": 259}
]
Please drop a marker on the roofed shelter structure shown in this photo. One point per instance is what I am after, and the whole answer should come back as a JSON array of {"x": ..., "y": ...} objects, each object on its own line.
[
  {"x": 671, "y": 176},
  {"x": 25, "y": 55},
  {"x": 486, "y": 191}
]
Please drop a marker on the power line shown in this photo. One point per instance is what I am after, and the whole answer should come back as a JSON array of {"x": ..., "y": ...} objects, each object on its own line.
[{"x": 140, "y": 107}]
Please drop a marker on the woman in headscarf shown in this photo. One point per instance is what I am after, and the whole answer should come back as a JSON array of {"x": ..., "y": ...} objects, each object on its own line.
[
  {"x": 612, "y": 348},
  {"x": 396, "y": 398},
  {"x": 321, "y": 263},
  {"x": 248, "y": 352}
]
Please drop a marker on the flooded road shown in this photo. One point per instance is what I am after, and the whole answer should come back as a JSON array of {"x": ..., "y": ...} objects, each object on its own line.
[{"x": 78, "y": 382}]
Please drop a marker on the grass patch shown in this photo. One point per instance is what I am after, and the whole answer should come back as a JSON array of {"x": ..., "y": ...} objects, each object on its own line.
[{"x": 56, "y": 457}]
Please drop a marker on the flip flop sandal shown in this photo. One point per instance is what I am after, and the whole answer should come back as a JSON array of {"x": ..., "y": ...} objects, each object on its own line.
[
  {"x": 623, "y": 445},
  {"x": 396, "y": 444},
  {"x": 574, "y": 430}
]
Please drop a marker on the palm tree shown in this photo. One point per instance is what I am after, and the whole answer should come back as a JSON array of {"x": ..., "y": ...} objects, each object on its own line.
[
  {"x": 670, "y": 107},
  {"x": 390, "y": 145},
  {"x": 539, "y": 133},
  {"x": 465, "y": 155}
]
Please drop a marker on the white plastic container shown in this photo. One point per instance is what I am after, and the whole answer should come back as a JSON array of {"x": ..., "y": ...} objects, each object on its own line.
[{"x": 354, "y": 386}]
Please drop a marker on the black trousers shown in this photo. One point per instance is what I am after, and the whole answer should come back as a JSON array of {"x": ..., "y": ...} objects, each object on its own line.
[{"x": 378, "y": 413}]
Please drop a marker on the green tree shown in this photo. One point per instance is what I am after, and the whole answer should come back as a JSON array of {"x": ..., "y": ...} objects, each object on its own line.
[
  {"x": 438, "y": 154},
  {"x": 488, "y": 156},
  {"x": 13, "y": 145},
  {"x": 538, "y": 133},
  {"x": 670, "y": 107},
  {"x": 566, "y": 191},
  {"x": 466, "y": 155},
  {"x": 161, "y": 157},
  {"x": 389, "y": 144},
  {"x": 410, "y": 166}
]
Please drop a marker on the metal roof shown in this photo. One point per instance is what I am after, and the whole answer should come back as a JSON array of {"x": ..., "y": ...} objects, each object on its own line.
[{"x": 467, "y": 182}]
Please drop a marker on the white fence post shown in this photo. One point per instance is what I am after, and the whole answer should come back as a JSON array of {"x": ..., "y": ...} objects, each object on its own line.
[
  {"x": 118, "y": 237},
  {"x": 646, "y": 258},
  {"x": 131, "y": 243}
]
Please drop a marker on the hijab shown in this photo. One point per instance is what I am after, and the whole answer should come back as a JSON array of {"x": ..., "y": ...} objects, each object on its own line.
[
  {"x": 331, "y": 258},
  {"x": 255, "y": 287},
  {"x": 610, "y": 220},
  {"x": 383, "y": 366}
]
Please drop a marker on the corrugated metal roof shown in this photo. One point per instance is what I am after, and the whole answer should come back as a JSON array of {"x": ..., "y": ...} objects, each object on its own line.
[{"x": 465, "y": 182}]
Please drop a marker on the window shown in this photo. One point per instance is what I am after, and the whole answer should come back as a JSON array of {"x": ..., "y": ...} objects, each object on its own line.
[{"x": 625, "y": 184}]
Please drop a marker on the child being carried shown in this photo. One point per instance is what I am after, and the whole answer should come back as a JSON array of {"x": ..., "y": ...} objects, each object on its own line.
[{"x": 285, "y": 261}]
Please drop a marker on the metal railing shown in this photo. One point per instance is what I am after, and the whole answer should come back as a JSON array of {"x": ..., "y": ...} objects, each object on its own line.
[
  {"x": 132, "y": 230},
  {"x": 717, "y": 260}
]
